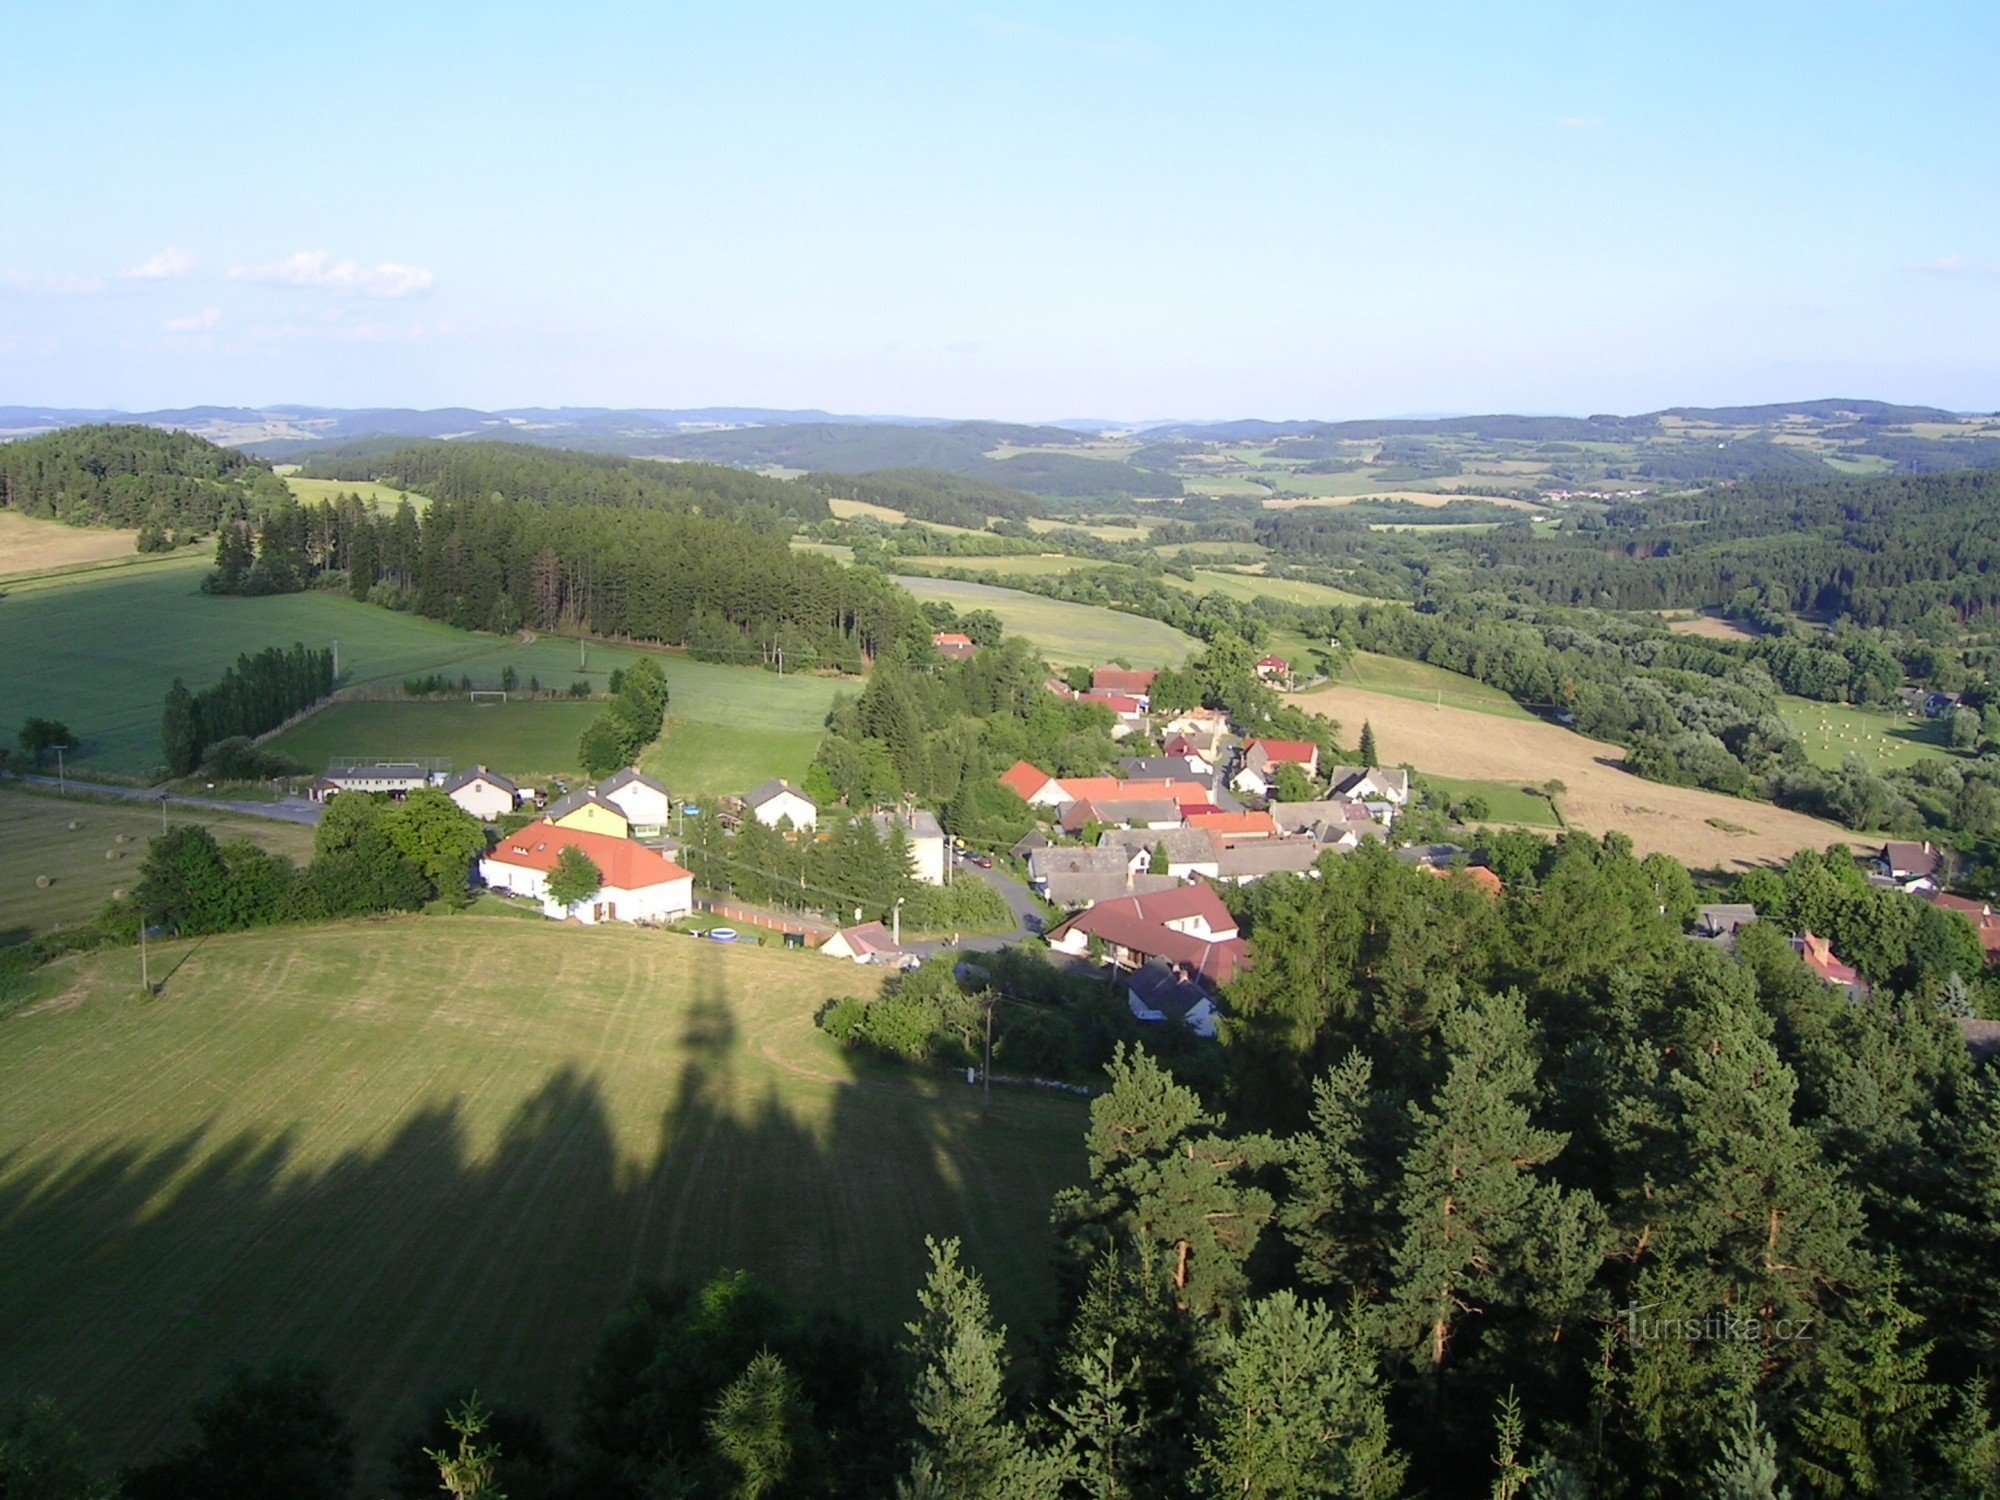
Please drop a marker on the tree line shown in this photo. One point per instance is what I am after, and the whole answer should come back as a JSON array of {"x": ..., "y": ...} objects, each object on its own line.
[{"x": 254, "y": 696}]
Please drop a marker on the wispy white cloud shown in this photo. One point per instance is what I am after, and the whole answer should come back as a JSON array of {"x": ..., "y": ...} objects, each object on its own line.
[
  {"x": 48, "y": 284},
  {"x": 319, "y": 268},
  {"x": 1580, "y": 122},
  {"x": 199, "y": 322},
  {"x": 1956, "y": 265},
  {"x": 168, "y": 263}
]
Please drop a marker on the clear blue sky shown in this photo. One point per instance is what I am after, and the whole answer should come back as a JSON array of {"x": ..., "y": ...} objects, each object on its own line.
[{"x": 1024, "y": 211}]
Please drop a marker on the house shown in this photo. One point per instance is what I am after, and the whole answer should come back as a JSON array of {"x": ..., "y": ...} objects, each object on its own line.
[
  {"x": 1140, "y": 812},
  {"x": 1985, "y": 921},
  {"x": 586, "y": 810},
  {"x": 1909, "y": 866},
  {"x": 1982, "y": 1038},
  {"x": 1127, "y": 710},
  {"x": 1105, "y": 790},
  {"x": 1069, "y": 871},
  {"x": 1029, "y": 842},
  {"x": 1257, "y": 769},
  {"x": 1168, "y": 768},
  {"x": 1371, "y": 784},
  {"x": 1274, "y": 669},
  {"x": 1201, "y": 723},
  {"x": 776, "y": 802},
  {"x": 1432, "y": 856},
  {"x": 1189, "y": 851},
  {"x": 1937, "y": 705},
  {"x": 1719, "y": 923},
  {"x": 953, "y": 645},
  {"x": 1187, "y": 927},
  {"x": 1079, "y": 890},
  {"x": 1159, "y": 992},
  {"x": 1033, "y": 785},
  {"x": 1819, "y": 956},
  {"x": 640, "y": 884},
  {"x": 1481, "y": 877},
  {"x": 394, "y": 778},
  {"x": 646, "y": 804},
  {"x": 1136, "y": 681},
  {"x": 487, "y": 795},
  {"x": 1217, "y": 823},
  {"x": 1196, "y": 754},
  {"x": 868, "y": 943},
  {"x": 1241, "y": 861},
  {"x": 1313, "y": 817},
  {"x": 925, "y": 837}
]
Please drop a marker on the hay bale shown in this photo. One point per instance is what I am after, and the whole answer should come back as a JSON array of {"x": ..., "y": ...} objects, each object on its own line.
[
  {"x": 42, "y": 882},
  {"x": 123, "y": 838},
  {"x": 114, "y": 853},
  {"x": 75, "y": 824},
  {"x": 118, "y": 893}
]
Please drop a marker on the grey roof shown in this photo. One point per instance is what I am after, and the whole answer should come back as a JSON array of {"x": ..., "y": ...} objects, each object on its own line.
[
  {"x": 1162, "y": 768},
  {"x": 1086, "y": 889},
  {"x": 1070, "y": 859},
  {"x": 1256, "y": 857},
  {"x": 758, "y": 795},
  {"x": 920, "y": 824},
  {"x": 1982, "y": 1038},
  {"x": 1394, "y": 776},
  {"x": 480, "y": 773},
  {"x": 1030, "y": 841},
  {"x": 630, "y": 776},
  {"x": 1185, "y": 846},
  {"x": 1296, "y": 817},
  {"x": 1723, "y": 917},
  {"x": 1165, "y": 989},
  {"x": 381, "y": 770},
  {"x": 585, "y": 796},
  {"x": 1437, "y": 855}
]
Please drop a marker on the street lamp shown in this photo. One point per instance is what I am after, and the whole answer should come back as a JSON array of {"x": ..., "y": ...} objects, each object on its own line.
[
  {"x": 62, "y": 786},
  {"x": 163, "y": 812},
  {"x": 896, "y": 917}
]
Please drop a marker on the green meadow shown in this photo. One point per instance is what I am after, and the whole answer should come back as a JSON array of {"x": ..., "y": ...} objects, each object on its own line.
[{"x": 1067, "y": 634}]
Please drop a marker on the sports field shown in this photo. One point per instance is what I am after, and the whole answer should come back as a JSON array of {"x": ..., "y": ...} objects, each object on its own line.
[
  {"x": 1067, "y": 634},
  {"x": 440, "y": 1150},
  {"x": 35, "y": 831},
  {"x": 528, "y": 740},
  {"x": 1885, "y": 741},
  {"x": 97, "y": 652}
]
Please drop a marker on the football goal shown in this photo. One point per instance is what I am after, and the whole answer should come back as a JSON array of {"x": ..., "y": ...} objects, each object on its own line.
[{"x": 486, "y": 696}]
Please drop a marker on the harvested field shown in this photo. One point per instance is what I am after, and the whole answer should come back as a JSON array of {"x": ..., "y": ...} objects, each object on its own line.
[
  {"x": 1710, "y": 627},
  {"x": 29, "y": 544},
  {"x": 1603, "y": 797}
]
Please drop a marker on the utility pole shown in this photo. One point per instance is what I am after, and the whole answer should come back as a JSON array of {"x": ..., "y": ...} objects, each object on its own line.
[
  {"x": 163, "y": 812},
  {"x": 145, "y": 973},
  {"x": 896, "y": 917},
  {"x": 62, "y": 785},
  {"x": 336, "y": 661},
  {"x": 986, "y": 1072}
]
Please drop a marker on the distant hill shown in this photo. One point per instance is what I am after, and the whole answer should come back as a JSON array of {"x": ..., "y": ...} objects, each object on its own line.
[{"x": 127, "y": 474}]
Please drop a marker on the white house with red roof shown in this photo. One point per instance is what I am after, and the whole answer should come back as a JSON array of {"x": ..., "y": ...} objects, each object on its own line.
[
  {"x": 1831, "y": 969},
  {"x": 1274, "y": 669},
  {"x": 639, "y": 884},
  {"x": 1257, "y": 771},
  {"x": 954, "y": 645},
  {"x": 1137, "y": 681}
]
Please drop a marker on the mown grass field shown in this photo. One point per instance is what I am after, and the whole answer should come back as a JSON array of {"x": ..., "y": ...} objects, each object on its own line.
[
  {"x": 440, "y": 1151},
  {"x": 1505, "y": 802},
  {"x": 1028, "y": 564},
  {"x": 1426, "y": 683},
  {"x": 1253, "y": 586},
  {"x": 1067, "y": 634},
  {"x": 527, "y": 740},
  {"x": 31, "y": 544},
  {"x": 35, "y": 832},
  {"x": 1886, "y": 741},
  {"x": 700, "y": 761},
  {"x": 380, "y": 497},
  {"x": 97, "y": 652}
]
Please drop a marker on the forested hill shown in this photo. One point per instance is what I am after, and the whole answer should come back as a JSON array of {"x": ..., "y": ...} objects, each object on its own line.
[
  {"x": 131, "y": 475},
  {"x": 461, "y": 471},
  {"x": 1881, "y": 551},
  {"x": 932, "y": 495}
]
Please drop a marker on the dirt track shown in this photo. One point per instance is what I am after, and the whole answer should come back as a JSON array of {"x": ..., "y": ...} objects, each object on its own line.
[{"x": 1602, "y": 795}]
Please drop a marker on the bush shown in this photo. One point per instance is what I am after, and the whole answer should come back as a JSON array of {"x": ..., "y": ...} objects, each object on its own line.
[{"x": 237, "y": 759}]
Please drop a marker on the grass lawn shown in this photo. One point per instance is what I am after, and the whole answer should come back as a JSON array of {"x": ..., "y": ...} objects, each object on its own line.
[
  {"x": 1886, "y": 740},
  {"x": 379, "y": 497},
  {"x": 1028, "y": 564},
  {"x": 1505, "y": 803},
  {"x": 700, "y": 761},
  {"x": 1420, "y": 680},
  {"x": 1067, "y": 634},
  {"x": 97, "y": 652},
  {"x": 527, "y": 740},
  {"x": 35, "y": 832},
  {"x": 438, "y": 1151},
  {"x": 1253, "y": 586}
]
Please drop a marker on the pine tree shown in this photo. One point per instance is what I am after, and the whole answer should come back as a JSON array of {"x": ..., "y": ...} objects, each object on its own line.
[
  {"x": 1367, "y": 754},
  {"x": 967, "y": 1448},
  {"x": 1334, "y": 1212},
  {"x": 757, "y": 1426},
  {"x": 1296, "y": 1410}
]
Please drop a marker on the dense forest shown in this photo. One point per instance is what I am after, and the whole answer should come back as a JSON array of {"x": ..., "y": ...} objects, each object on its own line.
[{"x": 129, "y": 475}]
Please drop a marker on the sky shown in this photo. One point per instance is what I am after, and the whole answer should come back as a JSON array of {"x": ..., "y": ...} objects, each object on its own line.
[{"x": 1027, "y": 212}]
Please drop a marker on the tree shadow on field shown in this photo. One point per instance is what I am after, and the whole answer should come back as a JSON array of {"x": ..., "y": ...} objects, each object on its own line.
[{"x": 134, "y": 1273}]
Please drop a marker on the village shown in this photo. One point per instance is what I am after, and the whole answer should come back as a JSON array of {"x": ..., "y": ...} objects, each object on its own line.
[{"x": 1121, "y": 873}]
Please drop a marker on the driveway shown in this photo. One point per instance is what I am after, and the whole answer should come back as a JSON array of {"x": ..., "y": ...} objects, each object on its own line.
[
  {"x": 286, "y": 810},
  {"x": 1029, "y": 919}
]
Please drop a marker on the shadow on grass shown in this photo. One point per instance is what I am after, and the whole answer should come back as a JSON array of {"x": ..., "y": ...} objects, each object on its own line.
[{"x": 135, "y": 1273}]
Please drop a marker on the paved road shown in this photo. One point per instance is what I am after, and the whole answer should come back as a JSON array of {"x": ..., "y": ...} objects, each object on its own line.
[
  {"x": 287, "y": 810},
  {"x": 1028, "y": 916}
]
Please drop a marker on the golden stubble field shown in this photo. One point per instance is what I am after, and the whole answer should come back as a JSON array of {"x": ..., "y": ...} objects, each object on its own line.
[
  {"x": 1705, "y": 830},
  {"x": 30, "y": 544}
]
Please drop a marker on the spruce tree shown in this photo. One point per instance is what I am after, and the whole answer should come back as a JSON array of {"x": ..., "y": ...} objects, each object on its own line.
[
  {"x": 757, "y": 1426},
  {"x": 1367, "y": 754},
  {"x": 180, "y": 736},
  {"x": 1747, "y": 1466}
]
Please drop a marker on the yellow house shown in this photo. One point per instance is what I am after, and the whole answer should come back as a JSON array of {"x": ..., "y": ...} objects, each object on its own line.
[{"x": 589, "y": 813}]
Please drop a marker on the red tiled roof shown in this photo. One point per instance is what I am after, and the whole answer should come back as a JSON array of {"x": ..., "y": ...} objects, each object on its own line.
[
  {"x": 1821, "y": 959},
  {"x": 1118, "y": 703},
  {"x": 1283, "y": 752},
  {"x": 623, "y": 863},
  {"x": 1123, "y": 679},
  {"x": 1114, "y": 789},
  {"x": 1985, "y": 921},
  {"x": 953, "y": 644},
  {"x": 1479, "y": 875},
  {"x": 1213, "y": 820},
  {"x": 1272, "y": 661},
  {"x": 1025, "y": 778},
  {"x": 1138, "y": 924}
]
